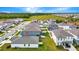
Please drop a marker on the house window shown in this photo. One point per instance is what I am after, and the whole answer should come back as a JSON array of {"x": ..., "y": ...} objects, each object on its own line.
[
  {"x": 24, "y": 44},
  {"x": 61, "y": 38},
  {"x": 28, "y": 44},
  {"x": 58, "y": 38}
]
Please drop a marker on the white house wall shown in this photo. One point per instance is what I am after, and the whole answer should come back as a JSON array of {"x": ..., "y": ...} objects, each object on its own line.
[
  {"x": 54, "y": 38},
  {"x": 24, "y": 46},
  {"x": 65, "y": 27},
  {"x": 58, "y": 41},
  {"x": 17, "y": 45},
  {"x": 33, "y": 46}
]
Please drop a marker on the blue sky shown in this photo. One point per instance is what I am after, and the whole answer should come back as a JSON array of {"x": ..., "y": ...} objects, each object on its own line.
[{"x": 39, "y": 9}]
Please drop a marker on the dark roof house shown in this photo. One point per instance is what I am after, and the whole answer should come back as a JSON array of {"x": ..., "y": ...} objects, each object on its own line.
[
  {"x": 26, "y": 40},
  {"x": 32, "y": 27},
  {"x": 61, "y": 33}
]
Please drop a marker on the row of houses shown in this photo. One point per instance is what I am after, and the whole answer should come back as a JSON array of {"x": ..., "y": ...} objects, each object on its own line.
[
  {"x": 29, "y": 37},
  {"x": 6, "y": 24},
  {"x": 67, "y": 26},
  {"x": 62, "y": 37},
  {"x": 64, "y": 34},
  {"x": 51, "y": 24}
]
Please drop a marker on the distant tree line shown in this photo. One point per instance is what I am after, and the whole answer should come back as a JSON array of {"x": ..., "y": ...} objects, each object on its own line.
[{"x": 14, "y": 15}]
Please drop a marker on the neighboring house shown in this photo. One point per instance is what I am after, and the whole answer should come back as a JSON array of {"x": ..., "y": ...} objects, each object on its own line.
[
  {"x": 7, "y": 25},
  {"x": 20, "y": 19},
  {"x": 51, "y": 21},
  {"x": 45, "y": 23},
  {"x": 66, "y": 26},
  {"x": 33, "y": 29},
  {"x": 14, "y": 21},
  {"x": 1, "y": 27},
  {"x": 75, "y": 33},
  {"x": 4, "y": 26},
  {"x": 29, "y": 37},
  {"x": 9, "y": 21},
  {"x": 53, "y": 27},
  {"x": 25, "y": 42},
  {"x": 61, "y": 37}
]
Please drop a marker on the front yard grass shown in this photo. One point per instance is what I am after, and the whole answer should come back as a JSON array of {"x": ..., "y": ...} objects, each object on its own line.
[
  {"x": 77, "y": 48},
  {"x": 1, "y": 33},
  {"x": 75, "y": 45}
]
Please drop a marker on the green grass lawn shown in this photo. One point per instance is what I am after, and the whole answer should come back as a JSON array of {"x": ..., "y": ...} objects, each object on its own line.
[
  {"x": 77, "y": 47},
  {"x": 1, "y": 33},
  {"x": 48, "y": 45}
]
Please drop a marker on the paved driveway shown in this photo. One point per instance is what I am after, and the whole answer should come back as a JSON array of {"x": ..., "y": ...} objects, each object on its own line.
[{"x": 72, "y": 48}]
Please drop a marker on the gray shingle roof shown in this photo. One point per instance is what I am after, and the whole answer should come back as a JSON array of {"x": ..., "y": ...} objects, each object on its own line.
[
  {"x": 64, "y": 24},
  {"x": 26, "y": 40},
  {"x": 75, "y": 32},
  {"x": 1, "y": 39},
  {"x": 32, "y": 27},
  {"x": 61, "y": 33}
]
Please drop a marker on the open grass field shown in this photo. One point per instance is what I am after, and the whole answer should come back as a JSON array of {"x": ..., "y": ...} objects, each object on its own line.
[{"x": 46, "y": 17}]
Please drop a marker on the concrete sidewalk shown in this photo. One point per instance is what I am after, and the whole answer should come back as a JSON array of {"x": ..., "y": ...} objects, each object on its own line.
[{"x": 72, "y": 48}]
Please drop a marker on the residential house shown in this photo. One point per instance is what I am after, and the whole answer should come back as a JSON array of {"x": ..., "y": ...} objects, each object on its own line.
[
  {"x": 75, "y": 33},
  {"x": 1, "y": 27},
  {"x": 4, "y": 26},
  {"x": 32, "y": 29},
  {"x": 50, "y": 21},
  {"x": 25, "y": 42},
  {"x": 29, "y": 37},
  {"x": 14, "y": 21},
  {"x": 62, "y": 37},
  {"x": 18, "y": 20},
  {"x": 66, "y": 26},
  {"x": 52, "y": 25}
]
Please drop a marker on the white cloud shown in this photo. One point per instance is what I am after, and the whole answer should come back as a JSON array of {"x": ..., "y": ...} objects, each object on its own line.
[
  {"x": 62, "y": 9},
  {"x": 38, "y": 10},
  {"x": 5, "y": 11},
  {"x": 33, "y": 10}
]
